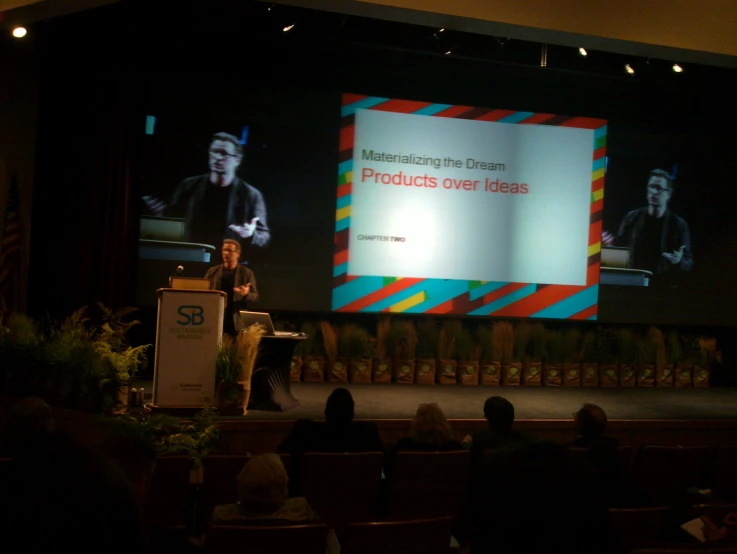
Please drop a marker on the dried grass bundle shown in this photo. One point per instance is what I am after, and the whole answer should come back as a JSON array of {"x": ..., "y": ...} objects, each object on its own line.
[
  {"x": 329, "y": 340},
  {"x": 248, "y": 341},
  {"x": 382, "y": 336}
]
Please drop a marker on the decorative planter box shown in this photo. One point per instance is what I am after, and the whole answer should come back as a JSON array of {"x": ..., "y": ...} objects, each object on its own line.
[
  {"x": 552, "y": 375},
  {"x": 608, "y": 375},
  {"x": 646, "y": 376},
  {"x": 447, "y": 372},
  {"x": 664, "y": 376},
  {"x": 295, "y": 369},
  {"x": 425, "y": 371},
  {"x": 512, "y": 374},
  {"x": 491, "y": 373},
  {"x": 468, "y": 373},
  {"x": 313, "y": 369},
  {"x": 572, "y": 375},
  {"x": 359, "y": 370},
  {"x": 628, "y": 375},
  {"x": 338, "y": 371},
  {"x": 589, "y": 374},
  {"x": 532, "y": 374},
  {"x": 404, "y": 371},
  {"x": 683, "y": 376},
  {"x": 701, "y": 377},
  {"x": 382, "y": 370}
]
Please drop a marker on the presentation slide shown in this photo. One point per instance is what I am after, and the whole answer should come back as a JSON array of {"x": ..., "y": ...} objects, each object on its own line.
[{"x": 461, "y": 210}]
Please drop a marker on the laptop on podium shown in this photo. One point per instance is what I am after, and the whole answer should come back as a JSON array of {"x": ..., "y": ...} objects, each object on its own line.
[{"x": 263, "y": 319}]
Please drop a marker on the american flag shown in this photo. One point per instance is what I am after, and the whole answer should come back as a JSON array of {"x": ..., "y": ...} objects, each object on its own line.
[{"x": 10, "y": 254}]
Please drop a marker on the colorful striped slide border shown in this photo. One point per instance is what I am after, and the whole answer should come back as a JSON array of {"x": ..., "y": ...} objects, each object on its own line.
[{"x": 441, "y": 296}]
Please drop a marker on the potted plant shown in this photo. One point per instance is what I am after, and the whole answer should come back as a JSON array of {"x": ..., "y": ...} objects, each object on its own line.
[
  {"x": 664, "y": 375},
  {"x": 572, "y": 357},
  {"x": 448, "y": 339},
  {"x": 382, "y": 359},
  {"x": 553, "y": 368},
  {"x": 590, "y": 357},
  {"x": 354, "y": 342},
  {"x": 228, "y": 367},
  {"x": 403, "y": 348},
  {"x": 336, "y": 365},
  {"x": 627, "y": 358},
  {"x": 521, "y": 342},
  {"x": 491, "y": 365},
  {"x": 701, "y": 370},
  {"x": 532, "y": 370},
  {"x": 313, "y": 362},
  {"x": 609, "y": 365},
  {"x": 468, "y": 370},
  {"x": 21, "y": 355},
  {"x": 651, "y": 353},
  {"x": 427, "y": 347}
]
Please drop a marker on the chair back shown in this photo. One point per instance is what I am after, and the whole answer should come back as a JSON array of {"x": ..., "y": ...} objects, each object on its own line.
[
  {"x": 715, "y": 512},
  {"x": 420, "y": 536},
  {"x": 687, "y": 550},
  {"x": 428, "y": 484},
  {"x": 633, "y": 527},
  {"x": 722, "y": 474},
  {"x": 664, "y": 473},
  {"x": 169, "y": 495},
  {"x": 342, "y": 488},
  {"x": 272, "y": 539}
]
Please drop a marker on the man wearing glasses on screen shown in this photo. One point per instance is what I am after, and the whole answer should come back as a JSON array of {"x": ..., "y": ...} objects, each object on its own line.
[
  {"x": 218, "y": 204},
  {"x": 658, "y": 240}
]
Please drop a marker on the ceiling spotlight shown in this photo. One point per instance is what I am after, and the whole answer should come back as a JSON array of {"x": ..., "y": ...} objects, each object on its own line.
[
  {"x": 288, "y": 28},
  {"x": 629, "y": 69},
  {"x": 20, "y": 32},
  {"x": 677, "y": 68},
  {"x": 582, "y": 52}
]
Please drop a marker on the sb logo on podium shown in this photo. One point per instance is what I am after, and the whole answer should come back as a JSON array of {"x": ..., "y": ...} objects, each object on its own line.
[{"x": 191, "y": 315}]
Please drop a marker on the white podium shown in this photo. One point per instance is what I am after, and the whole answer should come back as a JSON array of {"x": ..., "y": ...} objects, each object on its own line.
[{"x": 188, "y": 330}]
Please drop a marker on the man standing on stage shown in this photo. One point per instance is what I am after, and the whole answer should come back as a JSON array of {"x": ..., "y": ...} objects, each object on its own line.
[
  {"x": 658, "y": 240},
  {"x": 218, "y": 204},
  {"x": 237, "y": 281}
]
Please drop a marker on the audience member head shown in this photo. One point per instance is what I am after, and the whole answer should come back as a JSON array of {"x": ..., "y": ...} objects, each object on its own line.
[
  {"x": 429, "y": 426},
  {"x": 262, "y": 484},
  {"x": 499, "y": 413},
  {"x": 339, "y": 408},
  {"x": 590, "y": 421}
]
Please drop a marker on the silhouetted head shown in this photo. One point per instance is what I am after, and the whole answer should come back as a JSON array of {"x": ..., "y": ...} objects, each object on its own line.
[
  {"x": 262, "y": 484},
  {"x": 339, "y": 408},
  {"x": 590, "y": 421},
  {"x": 499, "y": 413},
  {"x": 429, "y": 426}
]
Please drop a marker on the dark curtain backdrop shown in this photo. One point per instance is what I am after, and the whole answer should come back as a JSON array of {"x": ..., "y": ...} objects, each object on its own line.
[{"x": 84, "y": 231}]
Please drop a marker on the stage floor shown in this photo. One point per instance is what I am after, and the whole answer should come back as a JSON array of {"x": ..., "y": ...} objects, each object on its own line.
[
  {"x": 400, "y": 402},
  {"x": 531, "y": 403}
]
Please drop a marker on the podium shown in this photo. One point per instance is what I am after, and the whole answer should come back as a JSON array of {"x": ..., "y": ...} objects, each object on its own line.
[
  {"x": 270, "y": 385},
  {"x": 189, "y": 327}
]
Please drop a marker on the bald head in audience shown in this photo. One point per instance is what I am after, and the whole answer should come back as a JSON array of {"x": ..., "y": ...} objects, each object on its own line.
[{"x": 590, "y": 421}]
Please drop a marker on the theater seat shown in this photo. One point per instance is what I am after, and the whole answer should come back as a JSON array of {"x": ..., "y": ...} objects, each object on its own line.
[
  {"x": 274, "y": 539},
  {"x": 428, "y": 484},
  {"x": 420, "y": 536},
  {"x": 664, "y": 473}
]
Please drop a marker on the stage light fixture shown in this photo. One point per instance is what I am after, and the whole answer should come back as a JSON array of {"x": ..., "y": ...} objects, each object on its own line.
[
  {"x": 629, "y": 69},
  {"x": 288, "y": 28},
  {"x": 677, "y": 68},
  {"x": 582, "y": 52},
  {"x": 20, "y": 32}
]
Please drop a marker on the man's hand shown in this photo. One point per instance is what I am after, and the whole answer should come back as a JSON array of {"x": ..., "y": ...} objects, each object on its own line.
[
  {"x": 607, "y": 239},
  {"x": 246, "y": 230},
  {"x": 243, "y": 290},
  {"x": 155, "y": 205},
  {"x": 674, "y": 257}
]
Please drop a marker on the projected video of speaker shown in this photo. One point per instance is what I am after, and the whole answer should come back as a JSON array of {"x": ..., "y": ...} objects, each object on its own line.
[{"x": 458, "y": 210}]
